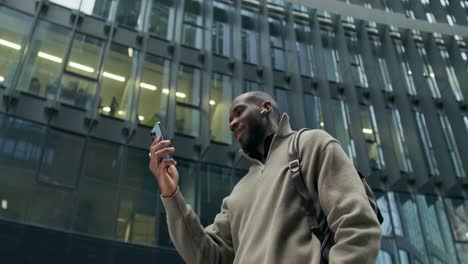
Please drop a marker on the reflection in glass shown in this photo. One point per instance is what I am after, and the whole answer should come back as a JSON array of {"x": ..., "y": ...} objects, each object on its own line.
[
  {"x": 221, "y": 29},
  {"x": 428, "y": 73},
  {"x": 371, "y": 136},
  {"x": 118, "y": 80},
  {"x": 137, "y": 219},
  {"x": 136, "y": 175},
  {"x": 452, "y": 77},
  {"x": 129, "y": 13},
  {"x": 40, "y": 74},
  {"x": 21, "y": 144},
  {"x": 59, "y": 165},
  {"x": 188, "y": 100},
  {"x": 342, "y": 125},
  {"x": 331, "y": 55},
  {"x": 50, "y": 207},
  {"x": 277, "y": 42},
  {"x": 162, "y": 18},
  {"x": 399, "y": 142},
  {"x": 188, "y": 172},
  {"x": 102, "y": 161},
  {"x": 154, "y": 81},
  {"x": 305, "y": 49},
  {"x": 313, "y": 111},
  {"x": 378, "y": 55},
  {"x": 387, "y": 229},
  {"x": 409, "y": 214},
  {"x": 384, "y": 257},
  {"x": 457, "y": 212},
  {"x": 281, "y": 96},
  {"x": 220, "y": 101},
  {"x": 396, "y": 219},
  {"x": 357, "y": 64},
  {"x": 451, "y": 145},
  {"x": 13, "y": 28},
  {"x": 250, "y": 37},
  {"x": 250, "y": 86},
  {"x": 426, "y": 142},
  {"x": 215, "y": 184},
  {"x": 431, "y": 228},
  {"x": 403, "y": 256},
  {"x": 405, "y": 67},
  {"x": 98, "y": 8},
  {"x": 79, "y": 80},
  {"x": 192, "y": 27},
  {"x": 96, "y": 207}
]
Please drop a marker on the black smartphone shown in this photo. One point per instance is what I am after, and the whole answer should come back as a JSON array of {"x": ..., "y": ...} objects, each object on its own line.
[{"x": 157, "y": 131}]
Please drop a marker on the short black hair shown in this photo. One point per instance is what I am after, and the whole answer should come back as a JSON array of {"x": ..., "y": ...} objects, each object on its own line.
[{"x": 259, "y": 97}]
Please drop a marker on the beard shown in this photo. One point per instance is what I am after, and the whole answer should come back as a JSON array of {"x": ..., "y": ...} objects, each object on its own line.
[{"x": 253, "y": 136}]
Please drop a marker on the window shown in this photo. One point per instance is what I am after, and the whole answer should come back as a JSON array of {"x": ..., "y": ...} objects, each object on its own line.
[
  {"x": 78, "y": 84},
  {"x": 13, "y": 29},
  {"x": 399, "y": 142},
  {"x": 305, "y": 49},
  {"x": 457, "y": 212},
  {"x": 425, "y": 140},
  {"x": 428, "y": 74},
  {"x": 403, "y": 256},
  {"x": 59, "y": 165},
  {"x": 281, "y": 96},
  {"x": 130, "y": 13},
  {"x": 162, "y": 18},
  {"x": 40, "y": 74},
  {"x": 50, "y": 207},
  {"x": 342, "y": 125},
  {"x": 154, "y": 90},
  {"x": 406, "y": 69},
  {"x": 357, "y": 64},
  {"x": 313, "y": 111},
  {"x": 192, "y": 27},
  {"x": 250, "y": 86},
  {"x": 98, "y": 8},
  {"x": 21, "y": 144},
  {"x": 220, "y": 102},
  {"x": 384, "y": 257},
  {"x": 102, "y": 161},
  {"x": 250, "y": 37},
  {"x": 118, "y": 81},
  {"x": 382, "y": 64},
  {"x": 409, "y": 214},
  {"x": 396, "y": 219},
  {"x": 277, "y": 43},
  {"x": 222, "y": 29},
  {"x": 371, "y": 136},
  {"x": 215, "y": 184},
  {"x": 452, "y": 77},
  {"x": 382, "y": 202},
  {"x": 452, "y": 145},
  {"x": 331, "y": 55},
  {"x": 188, "y": 101}
]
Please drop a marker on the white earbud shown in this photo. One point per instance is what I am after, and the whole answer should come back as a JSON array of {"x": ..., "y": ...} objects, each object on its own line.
[{"x": 263, "y": 112}]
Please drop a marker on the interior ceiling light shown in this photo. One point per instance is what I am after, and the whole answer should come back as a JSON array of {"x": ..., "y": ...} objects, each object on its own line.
[
  {"x": 49, "y": 57},
  {"x": 114, "y": 76},
  {"x": 148, "y": 86},
  {"x": 10, "y": 44}
]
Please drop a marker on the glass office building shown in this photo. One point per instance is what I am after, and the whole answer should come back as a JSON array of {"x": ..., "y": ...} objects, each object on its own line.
[{"x": 82, "y": 83}]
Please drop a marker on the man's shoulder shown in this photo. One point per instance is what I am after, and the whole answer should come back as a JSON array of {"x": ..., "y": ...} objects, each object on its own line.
[{"x": 318, "y": 136}]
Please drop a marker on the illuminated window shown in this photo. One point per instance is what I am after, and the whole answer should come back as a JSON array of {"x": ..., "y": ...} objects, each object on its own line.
[
  {"x": 188, "y": 101},
  {"x": 220, "y": 102},
  {"x": 371, "y": 136}
]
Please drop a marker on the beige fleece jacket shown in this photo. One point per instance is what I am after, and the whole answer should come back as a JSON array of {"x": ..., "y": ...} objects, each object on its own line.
[{"x": 262, "y": 221}]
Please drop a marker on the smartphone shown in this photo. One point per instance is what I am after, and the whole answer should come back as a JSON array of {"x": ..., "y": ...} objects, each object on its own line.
[{"x": 157, "y": 131}]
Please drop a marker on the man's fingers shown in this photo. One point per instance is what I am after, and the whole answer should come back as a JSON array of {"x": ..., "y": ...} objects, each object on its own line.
[
  {"x": 159, "y": 145},
  {"x": 158, "y": 154},
  {"x": 165, "y": 163},
  {"x": 155, "y": 141}
]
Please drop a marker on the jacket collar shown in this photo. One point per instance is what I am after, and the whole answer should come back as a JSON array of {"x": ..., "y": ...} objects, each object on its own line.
[{"x": 284, "y": 130}]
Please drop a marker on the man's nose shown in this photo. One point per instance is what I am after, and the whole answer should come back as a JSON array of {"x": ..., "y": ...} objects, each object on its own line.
[{"x": 233, "y": 125}]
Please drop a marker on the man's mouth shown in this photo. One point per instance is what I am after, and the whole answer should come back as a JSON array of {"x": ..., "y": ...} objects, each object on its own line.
[{"x": 238, "y": 134}]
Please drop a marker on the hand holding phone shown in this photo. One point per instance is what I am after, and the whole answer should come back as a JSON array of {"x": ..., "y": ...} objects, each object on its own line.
[{"x": 162, "y": 165}]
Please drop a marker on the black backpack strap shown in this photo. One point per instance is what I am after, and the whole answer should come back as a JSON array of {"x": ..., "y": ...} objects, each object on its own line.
[{"x": 298, "y": 180}]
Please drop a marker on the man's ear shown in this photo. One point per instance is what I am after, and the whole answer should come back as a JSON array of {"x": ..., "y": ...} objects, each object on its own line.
[{"x": 267, "y": 106}]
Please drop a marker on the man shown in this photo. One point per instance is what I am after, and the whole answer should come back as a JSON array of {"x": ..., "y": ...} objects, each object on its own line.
[{"x": 262, "y": 220}]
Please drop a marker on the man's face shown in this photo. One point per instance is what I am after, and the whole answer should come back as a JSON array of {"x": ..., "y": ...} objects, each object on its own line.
[{"x": 247, "y": 124}]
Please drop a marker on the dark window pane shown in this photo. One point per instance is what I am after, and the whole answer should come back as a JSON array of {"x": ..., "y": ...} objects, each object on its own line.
[
  {"x": 61, "y": 159},
  {"x": 384, "y": 257},
  {"x": 96, "y": 208},
  {"x": 457, "y": 212},
  {"x": 44, "y": 60},
  {"x": 382, "y": 202},
  {"x": 13, "y": 28},
  {"x": 102, "y": 161},
  {"x": 313, "y": 111},
  {"x": 162, "y": 18},
  {"x": 192, "y": 27},
  {"x": 188, "y": 85},
  {"x": 215, "y": 185},
  {"x": 250, "y": 37},
  {"x": 130, "y": 14},
  {"x": 281, "y": 96},
  {"x": 221, "y": 29},
  {"x": 137, "y": 220},
  {"x": 136, "y": 174},
  {"x": 409, "y": 214},
  {"x": 250, "y": 86}
]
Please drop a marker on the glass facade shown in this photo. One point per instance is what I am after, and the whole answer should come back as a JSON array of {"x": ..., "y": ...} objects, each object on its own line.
[{"x": 80, "y": 94}]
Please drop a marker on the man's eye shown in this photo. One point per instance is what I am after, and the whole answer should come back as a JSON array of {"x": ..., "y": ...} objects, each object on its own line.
[{"x": 239, "y": 112}]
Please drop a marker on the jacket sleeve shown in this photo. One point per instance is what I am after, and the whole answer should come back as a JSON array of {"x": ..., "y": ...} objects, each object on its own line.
[
  {"x": 344, "y": 201},
  {"x": 194, "y": 243}
]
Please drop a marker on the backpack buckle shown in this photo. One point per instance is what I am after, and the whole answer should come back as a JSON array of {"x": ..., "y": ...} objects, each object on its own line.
[{"x": 294, "y": 165}]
